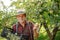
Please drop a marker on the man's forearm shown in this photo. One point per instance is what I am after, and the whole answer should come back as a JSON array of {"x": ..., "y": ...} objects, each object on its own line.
[{"x": 36, "y": 34}]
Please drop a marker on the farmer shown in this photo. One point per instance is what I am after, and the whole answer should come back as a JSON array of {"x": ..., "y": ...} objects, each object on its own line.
[{"x": 24, "y": 27}]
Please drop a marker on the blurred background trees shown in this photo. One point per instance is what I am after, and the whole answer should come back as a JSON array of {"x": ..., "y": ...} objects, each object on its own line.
[{"x": 44, "y": 12}]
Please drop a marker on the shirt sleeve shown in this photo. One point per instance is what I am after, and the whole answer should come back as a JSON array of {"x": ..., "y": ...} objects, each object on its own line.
[
  {"x": 32, "y": 24},
  {"x": 31, "y": 34},
  {"x": 14, "y": 28}
]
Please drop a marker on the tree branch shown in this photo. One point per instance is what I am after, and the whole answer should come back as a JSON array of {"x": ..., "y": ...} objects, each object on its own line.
[
  {"x": 54, "y": 32},
  {"x": 47, "y": 29}
]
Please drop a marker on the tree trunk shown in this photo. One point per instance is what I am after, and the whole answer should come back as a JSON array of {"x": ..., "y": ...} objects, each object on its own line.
[
  {"x": 47, "y": 29},
  {"x": 53, "y": 34}
]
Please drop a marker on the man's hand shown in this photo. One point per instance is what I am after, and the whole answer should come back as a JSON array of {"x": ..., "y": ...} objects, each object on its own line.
[{"x": 35, "y": 29}]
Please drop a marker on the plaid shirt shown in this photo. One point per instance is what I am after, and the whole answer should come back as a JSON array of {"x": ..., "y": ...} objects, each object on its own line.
[{"x": 26, "y": 30}]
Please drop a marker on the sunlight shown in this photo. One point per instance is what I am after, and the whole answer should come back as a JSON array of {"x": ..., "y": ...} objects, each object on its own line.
[{"x": 6, "y": 2}]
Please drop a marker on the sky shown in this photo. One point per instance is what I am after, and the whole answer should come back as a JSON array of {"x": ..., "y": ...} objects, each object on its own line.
[{"x": 7, "y": 3}]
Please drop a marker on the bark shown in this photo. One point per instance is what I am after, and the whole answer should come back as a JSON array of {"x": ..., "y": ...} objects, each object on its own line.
[
  {"x": 47, "y": 29},
  {"x": 54, "y": 32}
]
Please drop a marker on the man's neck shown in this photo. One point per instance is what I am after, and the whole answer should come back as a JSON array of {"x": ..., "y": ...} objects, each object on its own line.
[{"x": 23, "y": 24}]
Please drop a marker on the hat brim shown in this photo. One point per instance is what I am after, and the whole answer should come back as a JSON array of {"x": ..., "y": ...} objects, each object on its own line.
[{"x": 20, "y": 13}]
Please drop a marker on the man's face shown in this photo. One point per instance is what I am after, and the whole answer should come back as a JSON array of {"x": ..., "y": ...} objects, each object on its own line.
[{"x": 21, "y": 18}]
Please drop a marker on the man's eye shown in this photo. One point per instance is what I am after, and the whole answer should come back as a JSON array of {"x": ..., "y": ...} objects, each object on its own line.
[{"x": 18, "y": 16}]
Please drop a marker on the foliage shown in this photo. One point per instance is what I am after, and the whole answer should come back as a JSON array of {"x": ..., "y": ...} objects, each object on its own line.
[{"x": 37, "y": 12}]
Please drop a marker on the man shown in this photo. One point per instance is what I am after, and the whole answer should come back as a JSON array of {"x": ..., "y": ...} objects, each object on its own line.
[{"x": 24, "y": 27}]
